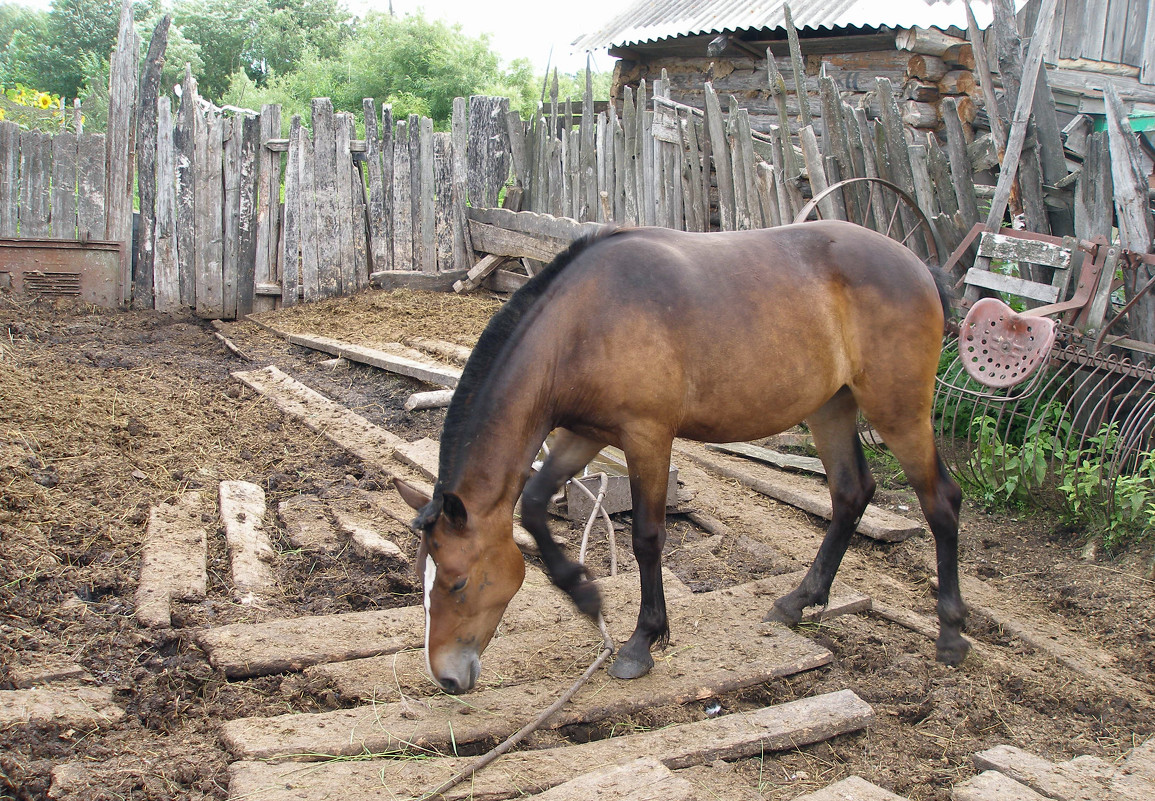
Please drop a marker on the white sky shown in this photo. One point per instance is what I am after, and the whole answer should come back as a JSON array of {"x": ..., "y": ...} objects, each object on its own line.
[{"x": 517, "y": 28}]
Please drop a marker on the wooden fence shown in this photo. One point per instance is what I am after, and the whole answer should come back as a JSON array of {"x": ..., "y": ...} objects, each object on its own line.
[{"x": 236, "y": 218}]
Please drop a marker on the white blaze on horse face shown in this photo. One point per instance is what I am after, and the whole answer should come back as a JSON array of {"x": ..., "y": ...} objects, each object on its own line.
[{"x": 430, "y": 578}]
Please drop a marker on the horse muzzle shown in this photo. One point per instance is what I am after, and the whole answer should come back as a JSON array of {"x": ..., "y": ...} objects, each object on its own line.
[{"x": 459, "y": 673}]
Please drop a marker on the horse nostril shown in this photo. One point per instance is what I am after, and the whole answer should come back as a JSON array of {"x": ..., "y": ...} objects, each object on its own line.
[{"x": 449, "y": 685}]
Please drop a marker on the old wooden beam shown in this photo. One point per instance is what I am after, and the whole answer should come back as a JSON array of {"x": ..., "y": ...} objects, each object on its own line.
[{"x": 173, "y": 560}]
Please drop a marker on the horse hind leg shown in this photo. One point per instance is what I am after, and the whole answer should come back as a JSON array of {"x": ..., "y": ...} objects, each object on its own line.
[
  {"x": 570, "y": 454},
  {"x": 940, "y": 498},
  {"x": 648, "y": 458},
  {"x": 834, "y": 427}
]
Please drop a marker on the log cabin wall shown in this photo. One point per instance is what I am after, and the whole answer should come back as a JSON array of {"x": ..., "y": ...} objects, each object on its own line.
[{"x": 924, "y": 67}]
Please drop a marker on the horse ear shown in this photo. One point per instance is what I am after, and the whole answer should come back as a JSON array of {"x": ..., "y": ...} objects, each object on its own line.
[
  {"x": 411, "y": 495},
  {"x": 454, "y": 510}
]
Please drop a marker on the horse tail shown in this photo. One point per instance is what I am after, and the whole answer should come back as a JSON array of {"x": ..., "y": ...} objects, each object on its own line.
[{"x": 945, "y": 296}]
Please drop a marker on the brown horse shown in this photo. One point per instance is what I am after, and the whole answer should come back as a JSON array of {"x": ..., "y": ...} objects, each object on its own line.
[{"x": 634, "y": 337}]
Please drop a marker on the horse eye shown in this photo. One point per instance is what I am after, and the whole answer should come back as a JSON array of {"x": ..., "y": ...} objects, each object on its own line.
[{"x": 459, "y": 586}]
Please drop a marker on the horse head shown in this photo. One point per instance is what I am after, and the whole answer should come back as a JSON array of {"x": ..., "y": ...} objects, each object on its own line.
[{"x": 471, "y": 569}]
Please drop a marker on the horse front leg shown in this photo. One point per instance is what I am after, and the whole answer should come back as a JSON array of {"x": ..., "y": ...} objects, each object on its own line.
[
  {"x": 649, "y": 467},
  {"x": 570, "y": 454}
]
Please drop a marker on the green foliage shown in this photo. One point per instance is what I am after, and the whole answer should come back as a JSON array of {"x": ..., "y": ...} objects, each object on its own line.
[
  {"x": 1012, "y": 472},
  {"x": 22, "y": 30}
]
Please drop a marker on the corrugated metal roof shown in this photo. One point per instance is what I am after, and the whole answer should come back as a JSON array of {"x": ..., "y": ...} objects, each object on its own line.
[{"x": 651, "y": 20}]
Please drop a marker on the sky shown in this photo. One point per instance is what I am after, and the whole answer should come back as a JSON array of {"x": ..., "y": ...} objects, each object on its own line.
[{"x": 518, "y": 28}]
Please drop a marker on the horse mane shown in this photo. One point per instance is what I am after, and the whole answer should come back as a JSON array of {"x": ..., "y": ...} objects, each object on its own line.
[{"x": 461, "y": 421}]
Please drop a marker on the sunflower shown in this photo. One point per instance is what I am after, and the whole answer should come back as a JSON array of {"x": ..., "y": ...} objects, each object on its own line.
[{"x": 44, "y": 100}]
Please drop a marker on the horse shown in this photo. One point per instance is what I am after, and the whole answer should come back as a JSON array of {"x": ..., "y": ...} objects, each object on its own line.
[{"x": 635, "y": 336}]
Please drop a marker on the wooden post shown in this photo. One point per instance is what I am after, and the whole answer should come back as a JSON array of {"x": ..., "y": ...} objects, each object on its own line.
[
  {"x": 325, "y": 195},
  {"x": 427, "y": 214},
  {"x": 142, "y": 290},
  {"x": 64, "y": 186},
  {"x": 291, "y": 233},
  {"x": 723, "y": 168},
  {"x": 443, "y": 201},
  {"x": 630, "y": 134},
  {"x": 799, "y": 69},
  {"x": 311, "y": 283},
  {"x": 378, "y": 242},
  {"x": 247, "y": 213},
  {"x": 121, "y": 130},
  {"x": 209, "y": 256},
  {"x": 184, "y": 141},
  {"x": 345, "y": 208},
  {"x": 35, "y": 173},
  {"x": 402, "y": 201},
  {"x": 10, "y": 177},
  {"x": 1132, "y": 210},
  {"x": 166, "y": 275},
  {"x": 462, "y": 247},
  {"x": 1026, "y": 96},
  {"x": 232, "y": 212},
  {"x": 268, "y": 205}
]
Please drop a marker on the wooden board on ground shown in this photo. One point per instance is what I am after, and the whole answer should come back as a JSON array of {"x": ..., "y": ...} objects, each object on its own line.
[
  {"x": 786, "y": 461},
  {"x": 991, "y": 785},
  {"x": 250, "y": 548},
  {"x": 60, "y": 705},
  {"x": 565, "y": 641},
  {"x": 421, "y": 369},
  {"x": 278, "y": 646},
  {"x": 553, "y": 627},
  {"x": 1077, "y": 653},
  {"x": 173, "y": 559},
  {"x": 45, "y": 668},
  {"x": 718, "y": 645},
  {"x": 344, "y": 428},
  {"x": 852, "y": 788},
  {"x": 784, "y": 727},
  {"x": 644, "y": 779},
  {"x": 808, "y": 495},
  {"x": 307, "y": 524},
  {"x": 1084, "y": 778}
]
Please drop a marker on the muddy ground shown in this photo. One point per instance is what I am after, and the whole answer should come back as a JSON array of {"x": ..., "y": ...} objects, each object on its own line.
[{"x": 103, "y": 415}]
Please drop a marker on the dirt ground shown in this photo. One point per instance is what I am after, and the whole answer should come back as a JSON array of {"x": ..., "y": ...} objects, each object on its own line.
[{"x": 106, "y": 414}]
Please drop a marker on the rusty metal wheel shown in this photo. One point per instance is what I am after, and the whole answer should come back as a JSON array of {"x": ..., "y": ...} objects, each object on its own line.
[{"x": 877, "y": 203}]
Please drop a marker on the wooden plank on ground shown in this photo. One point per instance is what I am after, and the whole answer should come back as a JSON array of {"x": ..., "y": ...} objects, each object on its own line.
[
  {"x": 307, "y": 524},
  {"x": 718, "y": 645},
  {"x": 250, "y": 549},
  {"x": 78, "y": 707},
  {"x": 1135, "y": 778},
  {"x": 786, "y": 726},
  {"x": 343, "y": 427},
  {"x": 367, "y": 541},
  {"x": 644, "y": 779},
  {"x": 173, "y": 562},
  {"x": 876, "y": 523},
  {"x": 1079, "y": 779},
  {"x": 46, "y": 669},
  {"x": 990, "y": 785},
  {"x": 786, "y": 461},
  {"x": 565, "y": 637},
  {"x": 1078, "y": 654},
  {"x": 539, "y": 614},
  {"x": 439, "y": 375},
  {"x": 852, "y": 788},
  {"x": 277, "y": 646}
]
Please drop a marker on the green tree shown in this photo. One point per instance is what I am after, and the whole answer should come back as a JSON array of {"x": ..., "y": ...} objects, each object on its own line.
[{"x": 22, "y": 34}]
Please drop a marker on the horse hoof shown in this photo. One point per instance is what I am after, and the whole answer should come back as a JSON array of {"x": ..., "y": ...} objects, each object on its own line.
[
  {"x": 778, "y": 614},
  {"x": 626, "y": 667},
  {"x": 587, "y": 599},
  {"x": 951, "y": 650}
]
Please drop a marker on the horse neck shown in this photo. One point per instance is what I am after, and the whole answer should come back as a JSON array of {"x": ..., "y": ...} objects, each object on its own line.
[{"x": 500, "y": 453}]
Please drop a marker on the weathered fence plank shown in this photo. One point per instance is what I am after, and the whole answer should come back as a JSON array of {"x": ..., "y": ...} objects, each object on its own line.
[
  {"x": 10, "y": 177},
  {"x": 232, "y": 207},
  {"x": 209, "y": 207},
  {"x": 121, "y": 132},
  {"x": 142, "y": 279},
  {"x": 247, "y": 217},
  {"x": 185, "y": 137},
  {"x": 343, "y": 207},
  {"x": 325, "y": 196},
  {"x": 378, "y": 228},
  {"x": 91, "y": 212},
  {"x": 166, "y": 277},
  {"x": 64, "y": 186},
  {"x": 291, "y": 231},
  {"x": 426, "y": 255},
  {"x": 721, "y": 155},
  {"x": 488, "y": 152},
  {"x": 402, "y": 201},
  {"x": 35, "y": 169},
  {"x": 268, "y": 235}
]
